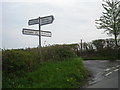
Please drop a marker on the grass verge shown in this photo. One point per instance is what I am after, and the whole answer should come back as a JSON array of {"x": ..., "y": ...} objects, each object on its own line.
[{"x": 68, "y": 73}]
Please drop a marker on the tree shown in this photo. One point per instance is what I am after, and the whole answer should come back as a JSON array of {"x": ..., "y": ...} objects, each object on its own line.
[
  {"x": 99, "y": 44},
  {"x": 110, "y": 44},
  {"x": 110, "y": 20}
]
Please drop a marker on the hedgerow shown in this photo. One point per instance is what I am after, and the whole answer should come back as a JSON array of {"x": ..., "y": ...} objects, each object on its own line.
[{"x": 18, "y": 63}]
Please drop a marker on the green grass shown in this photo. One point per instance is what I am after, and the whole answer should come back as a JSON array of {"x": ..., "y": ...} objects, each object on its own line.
[{"x": 68, "y": 73}]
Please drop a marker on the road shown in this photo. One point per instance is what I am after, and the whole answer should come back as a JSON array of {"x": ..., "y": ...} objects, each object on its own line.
[
  {"x": 104, "y": 73},
  {"x": 109, "y": 82}
]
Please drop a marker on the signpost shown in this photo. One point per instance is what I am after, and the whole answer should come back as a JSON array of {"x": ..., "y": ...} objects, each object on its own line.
[
  {"x": 36, "y": 32},
  {"x": 30, "y": 32},
  {"x": 43, "y": 20},
  {"x": 46, "y": 33},
  {"x": 40, "y": 21},
  {"x": 46, "y": 20},
  {"x": 33, "y": 21}
]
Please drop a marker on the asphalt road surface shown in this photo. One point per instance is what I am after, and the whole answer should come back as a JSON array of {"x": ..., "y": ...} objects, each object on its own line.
[{"x": 104, "y": 73}]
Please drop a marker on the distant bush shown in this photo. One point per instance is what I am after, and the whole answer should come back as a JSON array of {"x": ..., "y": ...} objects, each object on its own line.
[
  {"x": 100, "y": 49},
  {"x": 57, "y": 52}
]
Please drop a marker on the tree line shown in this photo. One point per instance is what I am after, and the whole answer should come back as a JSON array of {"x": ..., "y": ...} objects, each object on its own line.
[{"x": 97, "y": 49}]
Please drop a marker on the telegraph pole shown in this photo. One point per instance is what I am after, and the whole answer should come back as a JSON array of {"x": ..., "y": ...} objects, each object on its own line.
[{"x": 81, "y": 46}]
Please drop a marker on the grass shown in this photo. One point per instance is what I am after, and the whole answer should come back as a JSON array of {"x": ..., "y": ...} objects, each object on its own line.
[{"x": 68, "y": 73}]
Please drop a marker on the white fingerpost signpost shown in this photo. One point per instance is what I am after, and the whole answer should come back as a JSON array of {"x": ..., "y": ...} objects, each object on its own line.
[{"x": 40, "y": 21}]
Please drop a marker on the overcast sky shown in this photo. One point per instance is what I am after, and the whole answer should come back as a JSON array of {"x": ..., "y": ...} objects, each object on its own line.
[{"x": 74, "y": 20}]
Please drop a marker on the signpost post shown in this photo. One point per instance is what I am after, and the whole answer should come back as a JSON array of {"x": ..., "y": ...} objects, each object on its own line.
[
  {"x": 39, "y": 37},
  {"x": 41, "y": 21}
]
